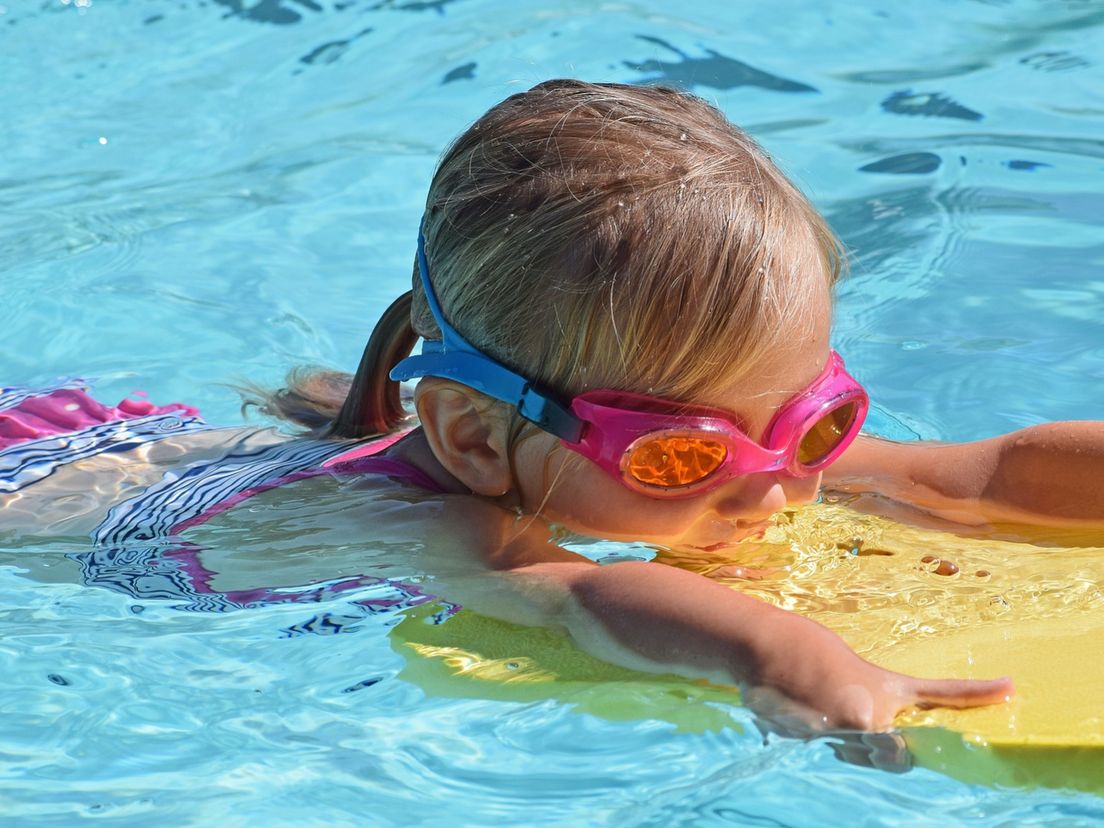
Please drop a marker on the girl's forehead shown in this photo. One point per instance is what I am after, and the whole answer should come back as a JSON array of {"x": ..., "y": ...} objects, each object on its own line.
[{"x": 796, "y": 359}]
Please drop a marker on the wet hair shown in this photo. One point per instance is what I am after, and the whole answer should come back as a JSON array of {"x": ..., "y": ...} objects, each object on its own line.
[{"x": 596, "y": 236}]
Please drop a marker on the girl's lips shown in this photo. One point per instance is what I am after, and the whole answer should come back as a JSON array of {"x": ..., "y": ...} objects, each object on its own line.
[
  {"x": 713, "y": 547},
  {"x": 742, "y": 531}
]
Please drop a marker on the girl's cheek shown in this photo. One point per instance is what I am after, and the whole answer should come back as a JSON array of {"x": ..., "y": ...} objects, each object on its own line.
[
  {"x": 571, "y": 491},
  {"x": 540, "y": 471}
]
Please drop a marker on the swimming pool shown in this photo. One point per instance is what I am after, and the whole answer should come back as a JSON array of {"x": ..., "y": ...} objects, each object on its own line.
[{"x": 198, "y": 191}]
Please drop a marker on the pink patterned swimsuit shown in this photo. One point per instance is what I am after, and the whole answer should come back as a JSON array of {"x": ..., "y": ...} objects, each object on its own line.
[{"x": 136, "y": 548}]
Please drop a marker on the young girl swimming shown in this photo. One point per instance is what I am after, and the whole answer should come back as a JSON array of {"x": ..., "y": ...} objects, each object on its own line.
[{"x": 625, "y": 312}]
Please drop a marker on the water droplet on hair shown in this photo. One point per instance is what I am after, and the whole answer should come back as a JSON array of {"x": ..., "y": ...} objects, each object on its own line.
[{"x": 682, "y": 137}]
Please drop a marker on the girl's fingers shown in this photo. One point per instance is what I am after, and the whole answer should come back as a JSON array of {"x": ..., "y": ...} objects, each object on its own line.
[
  {"x": 962, "y": 692},
  {"x": 882, "y": 751}
]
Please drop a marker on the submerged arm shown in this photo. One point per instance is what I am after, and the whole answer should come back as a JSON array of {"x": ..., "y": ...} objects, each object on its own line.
[
  {"x": 660, "y": 618},
  {"x": 1051, "y": 473}
]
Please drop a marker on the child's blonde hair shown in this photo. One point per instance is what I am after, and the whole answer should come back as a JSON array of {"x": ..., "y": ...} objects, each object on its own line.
[{"x": 597, "y": 236}]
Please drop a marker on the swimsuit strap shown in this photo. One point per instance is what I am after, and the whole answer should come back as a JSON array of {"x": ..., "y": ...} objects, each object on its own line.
[
  {"x": 365, "y": 459},
  {"x": 391, "y": 467},
  {"x": 376, "y": 445}
]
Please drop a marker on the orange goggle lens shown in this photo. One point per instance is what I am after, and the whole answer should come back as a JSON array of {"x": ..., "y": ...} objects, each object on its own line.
[
  {"x": 674, "y": 460},
  {"x": 826, "y": 433}
]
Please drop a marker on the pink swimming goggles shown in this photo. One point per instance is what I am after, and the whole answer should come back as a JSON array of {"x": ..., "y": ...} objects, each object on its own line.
[{"x": 654, "y": 446}]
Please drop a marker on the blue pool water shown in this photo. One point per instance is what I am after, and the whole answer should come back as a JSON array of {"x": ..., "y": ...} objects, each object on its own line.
[{"x": 198, "y": 191}]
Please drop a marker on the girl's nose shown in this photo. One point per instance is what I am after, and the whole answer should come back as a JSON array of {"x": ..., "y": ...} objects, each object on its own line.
[{"x": 762, "y": 495}]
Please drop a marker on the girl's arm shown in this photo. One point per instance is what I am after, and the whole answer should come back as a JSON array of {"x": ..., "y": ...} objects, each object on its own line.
[
  {"x": 1051, "y": 473},
  {"x": 659, "y": 618}
]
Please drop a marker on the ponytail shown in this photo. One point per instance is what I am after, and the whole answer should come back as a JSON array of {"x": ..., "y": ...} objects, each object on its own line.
[
  {"x": 338, "y": 404},
  {"x": 373, "y": 405}
]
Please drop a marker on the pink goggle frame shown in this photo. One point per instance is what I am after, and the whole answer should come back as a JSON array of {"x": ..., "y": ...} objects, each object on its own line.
[{"x": 666, "y": 449}]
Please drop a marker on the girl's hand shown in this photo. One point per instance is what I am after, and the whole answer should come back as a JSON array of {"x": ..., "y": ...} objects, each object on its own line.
[{"x": 823, "y": 685}]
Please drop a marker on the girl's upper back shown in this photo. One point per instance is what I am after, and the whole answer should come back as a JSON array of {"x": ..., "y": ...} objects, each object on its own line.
[{"x": 142, "y": 472}]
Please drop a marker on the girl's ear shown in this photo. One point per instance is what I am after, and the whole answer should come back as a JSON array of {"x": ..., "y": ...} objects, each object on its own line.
[{"x": 467, "y": 433}]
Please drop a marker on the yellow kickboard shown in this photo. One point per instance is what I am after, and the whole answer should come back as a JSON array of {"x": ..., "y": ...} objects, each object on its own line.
[
  {"x": 1051, "y": 733},
  {"x": 919, "y": 601}
]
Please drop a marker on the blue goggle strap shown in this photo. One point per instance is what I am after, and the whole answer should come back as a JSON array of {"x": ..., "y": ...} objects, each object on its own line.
[{"x": 456, "y": 359}]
